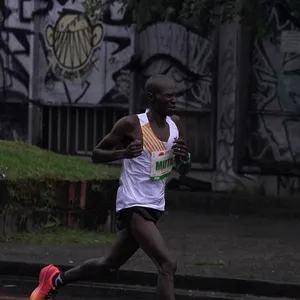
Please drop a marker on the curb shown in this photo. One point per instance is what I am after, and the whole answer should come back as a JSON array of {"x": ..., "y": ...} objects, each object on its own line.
[{"x": 126, "y": 277}]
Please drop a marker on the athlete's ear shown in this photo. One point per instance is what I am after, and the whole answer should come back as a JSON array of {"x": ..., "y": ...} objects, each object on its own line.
[{"x": 150, "y": 97}]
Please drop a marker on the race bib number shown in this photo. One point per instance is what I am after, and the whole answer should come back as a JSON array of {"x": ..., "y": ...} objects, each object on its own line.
[{"x": 161, "y": 164}]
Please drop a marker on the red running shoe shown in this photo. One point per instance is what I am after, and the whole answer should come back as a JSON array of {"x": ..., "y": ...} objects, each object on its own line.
[{"x": 46, "y": 290}]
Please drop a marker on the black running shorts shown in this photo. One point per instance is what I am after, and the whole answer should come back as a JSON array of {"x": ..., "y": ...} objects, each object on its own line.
[{"x": 123, "y": 216}]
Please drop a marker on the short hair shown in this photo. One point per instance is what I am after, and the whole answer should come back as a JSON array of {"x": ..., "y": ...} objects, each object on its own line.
[{"x": 155, "y": 82}]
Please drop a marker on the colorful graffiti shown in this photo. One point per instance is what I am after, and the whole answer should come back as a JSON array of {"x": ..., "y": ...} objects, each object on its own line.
[
  {"x": 73, "y": 40},
  {"x": 89, "y": 65}
]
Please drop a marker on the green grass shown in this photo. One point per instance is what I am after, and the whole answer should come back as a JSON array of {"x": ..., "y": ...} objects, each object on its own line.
[
  {"x": 60, "y": 235},
  {"x": 19, "y": 160}
]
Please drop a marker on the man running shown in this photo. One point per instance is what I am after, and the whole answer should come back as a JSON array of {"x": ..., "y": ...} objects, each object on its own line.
[{"x": 152, "y": 142}]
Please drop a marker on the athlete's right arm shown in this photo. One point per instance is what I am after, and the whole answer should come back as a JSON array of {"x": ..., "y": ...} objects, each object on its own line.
[{"x": 106, "y": 150}]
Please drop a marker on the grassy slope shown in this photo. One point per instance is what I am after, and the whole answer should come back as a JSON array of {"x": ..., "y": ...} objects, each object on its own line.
[
  {"x": 20, "y": 161},
  {"x": 60, "y": 235}
]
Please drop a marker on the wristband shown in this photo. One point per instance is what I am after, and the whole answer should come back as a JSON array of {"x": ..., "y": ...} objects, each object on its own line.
[{"x": 186, "y": 161}]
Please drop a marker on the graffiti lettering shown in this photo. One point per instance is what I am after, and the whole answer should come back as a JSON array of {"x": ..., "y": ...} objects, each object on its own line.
[
  {"x": 173, "y": 50},
  {"x": 76, "y": 45},
  {"x": 15, "y": 56},
  {"x": 275, "y": 95},
  {"x": 225, "y": 177},
  {"x": 288, "y": 185},
  {"x": 27, "y": 14},
  {"x": 72, "y": 40}
]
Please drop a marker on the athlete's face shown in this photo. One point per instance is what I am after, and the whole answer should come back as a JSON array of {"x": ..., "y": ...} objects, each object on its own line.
[{"x": 165, "y": 101}]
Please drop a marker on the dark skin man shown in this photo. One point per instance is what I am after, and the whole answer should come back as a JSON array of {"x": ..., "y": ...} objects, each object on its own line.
[{"x": 128, "y": 140}]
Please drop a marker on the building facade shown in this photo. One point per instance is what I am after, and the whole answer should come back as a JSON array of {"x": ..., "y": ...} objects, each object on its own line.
[{"x": 68, "y": 71}]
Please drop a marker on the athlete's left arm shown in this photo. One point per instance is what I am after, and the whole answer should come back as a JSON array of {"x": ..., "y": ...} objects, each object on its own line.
[{"x": 182, "y": 155}]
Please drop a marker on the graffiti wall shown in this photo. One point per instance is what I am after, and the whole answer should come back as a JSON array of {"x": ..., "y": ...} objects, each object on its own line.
[
  {"x": 188, "y": 58},
  {"x": 88, "y": 54},
  {"x": 2, "y": 83},
  {"x": 83, "y": 51},
  {"x": 225, "y": 177},
  {"x": 14, "y": 72},
  {"x": 76, "y": 53},
  {"x": 272, "y": 119},
  {"x": 15, "y": 58},
  {"x": 273, "y": 125},
  {"x": 275, "y": 100},
  {"x": 83, "y": 56},
  {"x": 171, "y": 49}
]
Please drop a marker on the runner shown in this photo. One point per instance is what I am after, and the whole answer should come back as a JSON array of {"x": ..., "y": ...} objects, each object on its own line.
[{"x": 153, "y": 141}]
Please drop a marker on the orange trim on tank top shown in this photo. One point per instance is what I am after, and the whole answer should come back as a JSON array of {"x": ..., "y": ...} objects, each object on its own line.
[{"x": 151, "y": 142}]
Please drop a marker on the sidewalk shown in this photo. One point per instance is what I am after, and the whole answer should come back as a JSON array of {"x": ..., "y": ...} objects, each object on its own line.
[{"x": 205, "y": 245}]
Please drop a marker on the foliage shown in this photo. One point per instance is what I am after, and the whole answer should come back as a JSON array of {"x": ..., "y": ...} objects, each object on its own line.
[
  {"x": 52, "y": 233},
  {"x": 92, "y": 9},
  {"x": 203, "y": 15},
  {"x": 27, "y": 195},
  {"x": 30, "y": 177}
]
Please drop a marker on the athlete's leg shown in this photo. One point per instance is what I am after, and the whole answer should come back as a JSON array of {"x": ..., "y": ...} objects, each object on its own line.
[
  {"x": 51, "y": 279},
  {"x": 150, "y": 240},
  {"x": 123, "y": 248}
]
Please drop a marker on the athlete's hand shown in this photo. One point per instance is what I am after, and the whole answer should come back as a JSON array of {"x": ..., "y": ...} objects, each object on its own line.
[
  {"x": 180, "y": 149},
  {"x": 134, "y": 149}
]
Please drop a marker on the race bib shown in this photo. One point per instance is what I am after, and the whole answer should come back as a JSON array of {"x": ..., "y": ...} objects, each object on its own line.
[{"x": 161, "y": 164}]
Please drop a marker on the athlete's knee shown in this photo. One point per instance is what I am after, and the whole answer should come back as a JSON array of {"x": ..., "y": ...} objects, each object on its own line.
[{"x": 168, "y": 267}]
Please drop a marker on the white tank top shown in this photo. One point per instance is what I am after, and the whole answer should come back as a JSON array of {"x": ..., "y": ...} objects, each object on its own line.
[{"x": 143, "y": 179}]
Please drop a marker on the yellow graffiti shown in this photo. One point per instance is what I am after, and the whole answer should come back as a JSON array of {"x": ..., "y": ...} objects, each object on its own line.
[{"x": 72, "y": 40}]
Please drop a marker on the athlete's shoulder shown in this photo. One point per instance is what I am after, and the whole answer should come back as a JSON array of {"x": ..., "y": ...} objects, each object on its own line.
[{"x": 128, "y": 122}]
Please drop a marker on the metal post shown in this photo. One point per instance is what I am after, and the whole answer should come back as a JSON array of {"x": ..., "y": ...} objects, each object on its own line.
[
  {"x": 132, "y": 100},
  {"x": 32, "y": 88}
]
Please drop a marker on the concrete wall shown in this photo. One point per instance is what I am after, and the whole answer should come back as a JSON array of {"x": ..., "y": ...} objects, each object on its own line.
[
  {"x": 273, "y": 135},
  {"x": 238, "y": 96},
  {"x": 272, "y": 129}
]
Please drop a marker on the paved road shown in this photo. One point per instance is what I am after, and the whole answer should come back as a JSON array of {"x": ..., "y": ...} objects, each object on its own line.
[
  {"x": 20, "y": 290},
  {"x": 243, "y": 247},
  {"x": 13, "y": 298}
]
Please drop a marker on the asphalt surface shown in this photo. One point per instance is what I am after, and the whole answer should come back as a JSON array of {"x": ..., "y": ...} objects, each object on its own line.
[
  {"x": 204, "y": 245},
  {"x": 20, "y": 288}
]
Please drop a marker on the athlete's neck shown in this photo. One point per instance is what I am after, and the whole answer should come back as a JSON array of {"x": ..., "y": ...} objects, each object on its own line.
[{"x": 154, "y": 117}]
